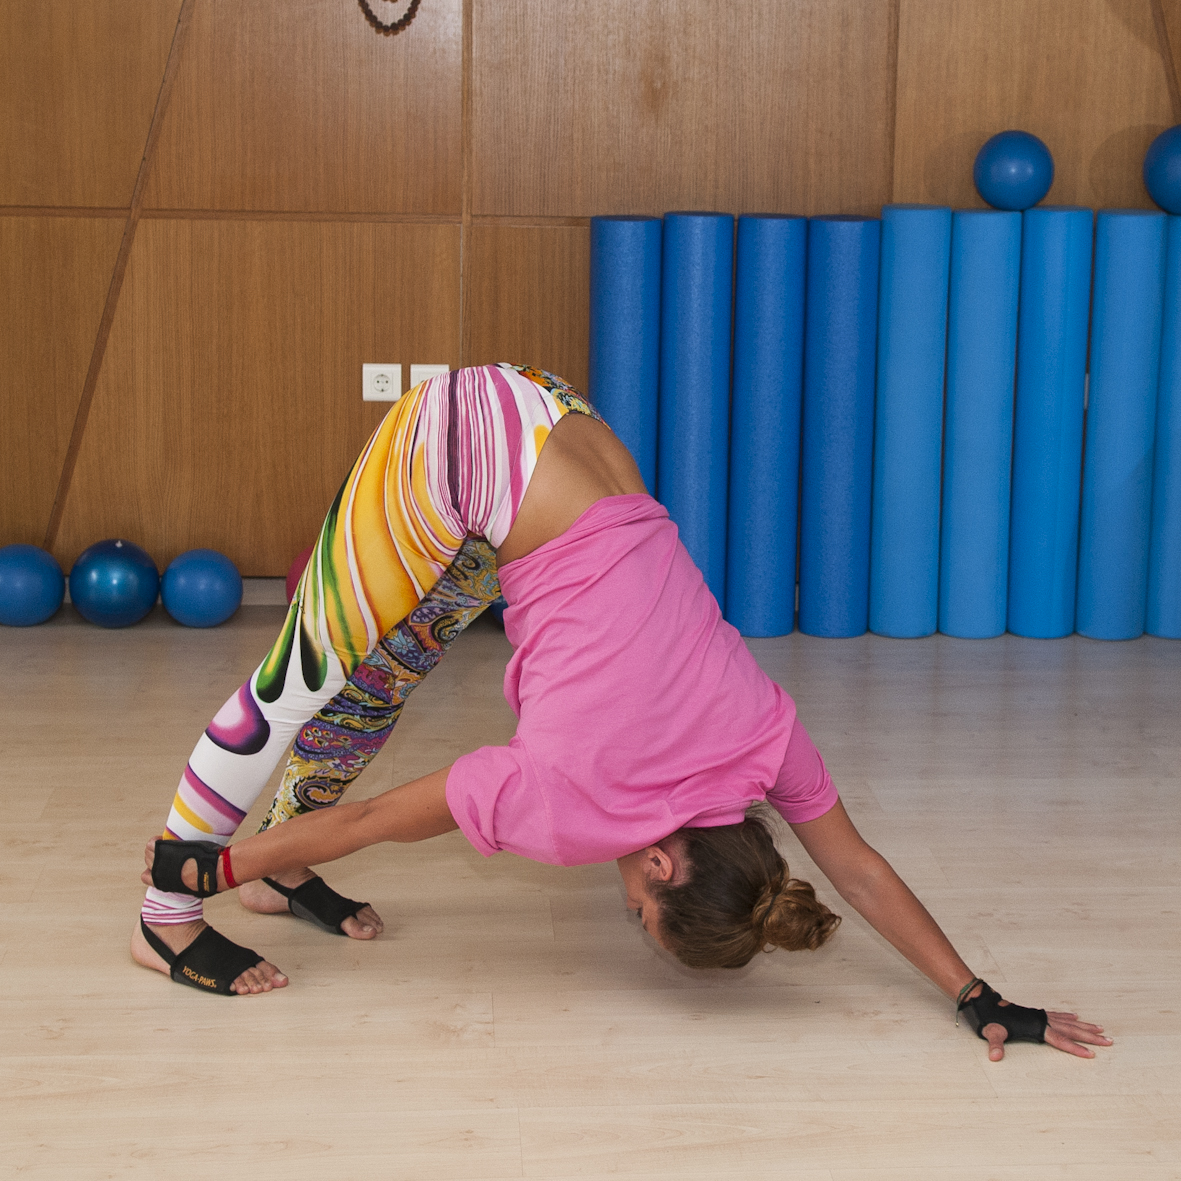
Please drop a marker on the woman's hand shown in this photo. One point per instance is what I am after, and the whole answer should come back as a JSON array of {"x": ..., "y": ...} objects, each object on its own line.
[{"x": 1064, "y": 1031}]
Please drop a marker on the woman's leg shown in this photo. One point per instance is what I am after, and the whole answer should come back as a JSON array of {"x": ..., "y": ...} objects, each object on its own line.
[
  {"x": 384, "y": 544},
  {"x": 342, "y": 739}
]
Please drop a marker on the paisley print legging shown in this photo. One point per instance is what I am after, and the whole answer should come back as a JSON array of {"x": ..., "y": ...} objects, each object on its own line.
[{"x": 404, "y": 561}]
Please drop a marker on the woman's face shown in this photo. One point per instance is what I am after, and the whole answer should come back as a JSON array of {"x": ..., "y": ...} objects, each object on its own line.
[
  {"x": 632, "y": 871},
  {"x": 637, "y": 869}
]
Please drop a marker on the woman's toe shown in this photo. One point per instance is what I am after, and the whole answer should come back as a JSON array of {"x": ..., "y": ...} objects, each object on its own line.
[
  {"x": 248, "y": 982},
  {"x": 261, "y": 978},
  {"x": 365, "y": 924}
]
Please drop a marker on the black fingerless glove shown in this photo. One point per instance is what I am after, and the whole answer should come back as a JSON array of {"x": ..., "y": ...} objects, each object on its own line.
[
  {"x": 1022, "y": 1024},
  {"x": 170, "y": 859}
]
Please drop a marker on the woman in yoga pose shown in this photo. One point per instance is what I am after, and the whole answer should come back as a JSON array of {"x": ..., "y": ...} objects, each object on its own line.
[{"x": 646, "y": 729}]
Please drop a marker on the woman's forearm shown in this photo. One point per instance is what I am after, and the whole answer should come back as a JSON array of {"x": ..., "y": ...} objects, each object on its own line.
[
  {"x": 303, "y": 840},
  {"x": 885, "y": 901},
  {"x": 867, "y": 881},
  {"x": 412, "y": 812}
]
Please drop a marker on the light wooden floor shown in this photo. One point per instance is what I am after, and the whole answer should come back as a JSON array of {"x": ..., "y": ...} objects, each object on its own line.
[{"x": 515, "y": 1022}]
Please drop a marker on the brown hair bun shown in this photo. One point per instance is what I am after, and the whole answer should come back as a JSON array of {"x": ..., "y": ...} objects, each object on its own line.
[{"x": 790, "y": 916}]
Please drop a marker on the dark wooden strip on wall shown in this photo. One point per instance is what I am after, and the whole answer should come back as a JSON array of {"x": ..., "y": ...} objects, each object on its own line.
[
  {"x": 1168, "y": 54},
  {"x": 112, "y": 303}
]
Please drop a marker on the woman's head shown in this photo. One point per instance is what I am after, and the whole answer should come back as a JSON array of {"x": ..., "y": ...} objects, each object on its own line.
[{"x": 716, "y": 896}]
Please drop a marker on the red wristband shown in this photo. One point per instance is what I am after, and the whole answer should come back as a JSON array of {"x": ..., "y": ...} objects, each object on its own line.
[{"x": 227, "y": 872}]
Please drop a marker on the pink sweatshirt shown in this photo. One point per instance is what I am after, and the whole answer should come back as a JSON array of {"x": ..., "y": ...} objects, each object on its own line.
[{"x": 640, "y": 710}]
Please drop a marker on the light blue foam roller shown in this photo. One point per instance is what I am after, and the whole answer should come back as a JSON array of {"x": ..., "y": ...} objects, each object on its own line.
[
  {"x": 693, "y": 439},
  {"x": 1121, "y": 412},
  {"x": 840, "y": 337},
  {"x": 908, "y": 420},
  {"x": 1163, "y": 616},
  {"x": 978, "y": 439},
  {"x": 625, "y": 332},
  {"x": 1048, "y": 420},
  {"x": 765, "y": 424}
]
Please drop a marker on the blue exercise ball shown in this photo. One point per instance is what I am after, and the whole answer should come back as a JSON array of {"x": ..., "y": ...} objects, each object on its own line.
[
  {"x": 201, "y": 588},
  {"x": 497, "y": 609},
  {"x": 1162, "y": 170},
  {"x": 1014, "y": 170},
  {"x": 32, "y": 585},
  {"x": 114, "y": 583}
]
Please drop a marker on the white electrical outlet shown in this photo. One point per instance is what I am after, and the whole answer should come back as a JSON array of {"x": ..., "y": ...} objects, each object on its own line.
[
  {"x": 425, "y": 372},
  {"x": 381, "y": 383}
]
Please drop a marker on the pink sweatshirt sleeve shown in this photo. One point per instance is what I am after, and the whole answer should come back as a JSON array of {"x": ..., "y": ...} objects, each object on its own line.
[{"x": 804, "y": 789}]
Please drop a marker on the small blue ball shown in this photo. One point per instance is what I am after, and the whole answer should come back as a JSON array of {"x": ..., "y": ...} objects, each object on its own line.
[
  {"x": 201, "y": 588},
  {"x": 114, "y": 583},
  {"x": 32, "y": 585},
  {"x": 1014, "y": 170},
  {"x": 1162, "y": 170}
]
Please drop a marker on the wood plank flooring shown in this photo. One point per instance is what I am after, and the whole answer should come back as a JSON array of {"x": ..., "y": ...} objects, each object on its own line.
[{"x": 514, "y": 1021}]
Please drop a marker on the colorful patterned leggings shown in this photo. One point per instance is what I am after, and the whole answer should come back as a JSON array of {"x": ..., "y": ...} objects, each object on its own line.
[{"x": 405, "y": 560}]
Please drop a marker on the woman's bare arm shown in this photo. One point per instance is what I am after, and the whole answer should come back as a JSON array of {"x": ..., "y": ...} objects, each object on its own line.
[
  {"x": 868, "y": 883},
  {"x": 413, "y": 812}
]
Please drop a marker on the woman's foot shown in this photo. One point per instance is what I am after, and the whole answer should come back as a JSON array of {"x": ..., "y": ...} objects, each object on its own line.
[
  {"x": 260, "y": 898},
  {"x": 261, "y": 978}
]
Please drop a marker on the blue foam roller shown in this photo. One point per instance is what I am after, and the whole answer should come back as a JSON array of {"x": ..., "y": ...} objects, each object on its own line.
[
  {"x": 1121, "y": 411},
  {"x": 978, "y": 438},
  {"x": 840, "y": 337},
  {"x": 696, "y": 299},
  {"x": 908, "y": 420},
  {"x": 1048, "y": 420},
  {"x": 765, "y": 424},
  {"x": 625, "y": 331},
  {"x": 1163, "y": 616}
]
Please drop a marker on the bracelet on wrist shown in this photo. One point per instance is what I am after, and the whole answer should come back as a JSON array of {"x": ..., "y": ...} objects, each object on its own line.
[
  {"x": 226, "y": 871},
  {"x": 962, "y": 999}
]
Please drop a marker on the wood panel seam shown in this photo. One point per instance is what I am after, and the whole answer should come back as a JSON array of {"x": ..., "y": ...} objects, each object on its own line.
[
  {"x": 119, "y": 272},
  {"x": 892, "y": 82},
  {"x": 63, "y": 211},
  {"x": 1167, "y": 59},
  {"x": 375, "y": 218},
  {"x": 466, "y": 156},
  {"x": 541, "y": 221}
]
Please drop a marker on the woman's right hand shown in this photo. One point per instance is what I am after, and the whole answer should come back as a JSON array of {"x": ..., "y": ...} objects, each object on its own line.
[{"x": 1064, "y": 1031}]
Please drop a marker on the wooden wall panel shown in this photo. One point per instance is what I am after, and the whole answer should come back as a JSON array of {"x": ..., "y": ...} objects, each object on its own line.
[
  {"x": 305, "y": 107},
  {"x": 1085, "y": 75},
  {"x": 56, "y": 274},
  {"x": 612, "y": 106},
  {"x": 229, "y": 407},
  {"x": 78, "y": 84},
  {"x": 528, "y": 297}
]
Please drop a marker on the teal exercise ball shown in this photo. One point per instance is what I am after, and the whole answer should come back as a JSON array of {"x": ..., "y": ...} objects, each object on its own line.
[{"x": 114, "y": 583}]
